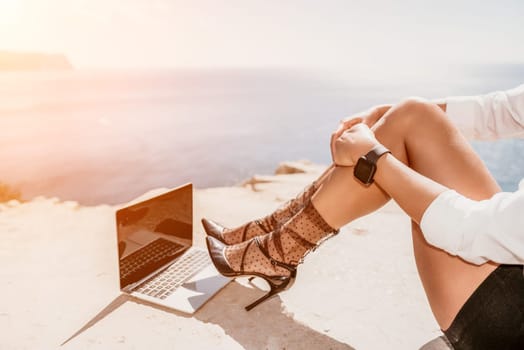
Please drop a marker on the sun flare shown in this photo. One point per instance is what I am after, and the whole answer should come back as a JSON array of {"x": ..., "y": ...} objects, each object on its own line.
[{"x": 9, "y": 11}]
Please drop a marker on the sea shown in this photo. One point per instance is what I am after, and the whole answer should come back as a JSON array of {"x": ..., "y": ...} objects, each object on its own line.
[{"x": 107, "y": 136}]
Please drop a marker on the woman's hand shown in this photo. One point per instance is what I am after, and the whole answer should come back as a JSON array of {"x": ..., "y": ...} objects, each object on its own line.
[
  {"x": 369, "y": 117},
  {"x": 352, "y": 144}
]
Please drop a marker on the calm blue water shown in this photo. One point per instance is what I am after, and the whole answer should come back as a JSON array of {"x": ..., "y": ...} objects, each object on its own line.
[{"x": 106, "y": 137}]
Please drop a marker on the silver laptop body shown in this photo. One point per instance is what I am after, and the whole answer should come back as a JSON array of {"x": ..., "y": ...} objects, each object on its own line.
[{"x": 157, "y": 261}]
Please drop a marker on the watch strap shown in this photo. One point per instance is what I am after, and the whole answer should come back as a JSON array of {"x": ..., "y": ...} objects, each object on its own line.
[{"x": 377, "y": 151}]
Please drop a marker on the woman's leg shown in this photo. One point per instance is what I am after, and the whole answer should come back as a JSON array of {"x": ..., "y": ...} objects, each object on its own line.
[
  {"x": 267, "y": 223},
  {"x": 421, "y": 136}
]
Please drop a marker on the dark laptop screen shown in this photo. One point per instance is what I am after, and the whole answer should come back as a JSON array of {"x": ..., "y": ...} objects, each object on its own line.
[{"x": 153, "y": 233}]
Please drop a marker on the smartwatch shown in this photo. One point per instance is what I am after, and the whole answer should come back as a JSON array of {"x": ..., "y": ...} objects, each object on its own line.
[{"x": 366, "y": 166}]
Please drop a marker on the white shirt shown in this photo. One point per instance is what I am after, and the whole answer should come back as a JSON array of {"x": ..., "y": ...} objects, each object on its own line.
[{"x": 492, "y": 229}]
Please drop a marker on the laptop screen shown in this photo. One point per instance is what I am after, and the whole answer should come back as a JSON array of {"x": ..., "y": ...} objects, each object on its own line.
[{"x": 153, "y": 233}]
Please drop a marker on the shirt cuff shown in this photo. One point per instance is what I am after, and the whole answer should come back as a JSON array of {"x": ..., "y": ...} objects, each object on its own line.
[
  {"x": 461, "y": 111},
  {"x": 441, "y": 222}
]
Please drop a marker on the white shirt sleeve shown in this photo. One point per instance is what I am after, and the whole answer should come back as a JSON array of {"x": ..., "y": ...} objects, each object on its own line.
[
  {"x": 477, "y": 231},
  {"x": 496, "y": 115}
]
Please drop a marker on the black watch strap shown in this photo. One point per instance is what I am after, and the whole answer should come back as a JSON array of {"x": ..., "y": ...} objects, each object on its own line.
[{"x": 377, "y": 152}]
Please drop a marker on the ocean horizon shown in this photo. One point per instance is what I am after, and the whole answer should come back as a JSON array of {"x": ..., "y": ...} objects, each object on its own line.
[{"x": 109, "y": 136}]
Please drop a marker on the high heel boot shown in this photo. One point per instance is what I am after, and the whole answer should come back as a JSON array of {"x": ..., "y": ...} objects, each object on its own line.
[
  {"x": 263, "y": 225},
  {"x": 273, "y": 257}
]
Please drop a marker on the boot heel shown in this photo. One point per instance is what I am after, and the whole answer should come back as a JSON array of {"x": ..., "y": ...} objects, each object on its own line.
[
  {"x": 277, "y": 283},
  {"x": 281, "y": 285},
  {"x": 267, "y": 296}
]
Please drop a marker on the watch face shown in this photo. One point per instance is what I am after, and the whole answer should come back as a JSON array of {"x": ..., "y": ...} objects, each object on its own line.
[{"x": 364, "y": 171}]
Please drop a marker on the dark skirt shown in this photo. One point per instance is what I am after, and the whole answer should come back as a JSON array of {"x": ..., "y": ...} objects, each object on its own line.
[{"x": 493, "y": 316}]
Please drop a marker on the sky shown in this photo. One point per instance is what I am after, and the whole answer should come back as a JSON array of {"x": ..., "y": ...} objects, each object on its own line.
[{"x": 372, "y": 34}]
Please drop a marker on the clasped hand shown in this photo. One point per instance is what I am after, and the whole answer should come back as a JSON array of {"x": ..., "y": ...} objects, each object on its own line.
[{"x": 352, "y": 140}]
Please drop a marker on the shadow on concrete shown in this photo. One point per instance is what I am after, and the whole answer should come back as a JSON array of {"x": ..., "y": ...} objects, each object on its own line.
[
  {"x": 115, "y": 304},
  {"x": 266, "y": 326}
]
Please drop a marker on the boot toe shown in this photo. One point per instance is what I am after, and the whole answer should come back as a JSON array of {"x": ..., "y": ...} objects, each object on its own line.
[
  {"x": 216, "y": 250},
  {"x": 213, "y": 229}
]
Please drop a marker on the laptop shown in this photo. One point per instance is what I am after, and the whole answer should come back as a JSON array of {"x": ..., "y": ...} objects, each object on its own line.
[{"x": 157, "y": 260}]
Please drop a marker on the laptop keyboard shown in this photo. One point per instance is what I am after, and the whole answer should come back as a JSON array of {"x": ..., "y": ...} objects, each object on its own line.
[
  {"x": 148, "y": 259},
  {"x": 165, "y": 283}
]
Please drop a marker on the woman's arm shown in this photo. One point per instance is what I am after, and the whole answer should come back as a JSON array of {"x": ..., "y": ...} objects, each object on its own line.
[
  {"x": 401, "y": 182},
  {"x": 368, "y": 117},
  {"x": 477, "y": 231},
  {"x": 496, "y": 115},
  {"x": 412, "y": 191}
]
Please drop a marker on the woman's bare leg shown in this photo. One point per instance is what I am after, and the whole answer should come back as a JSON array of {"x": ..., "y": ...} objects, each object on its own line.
[{"x": 421, "y": 136}]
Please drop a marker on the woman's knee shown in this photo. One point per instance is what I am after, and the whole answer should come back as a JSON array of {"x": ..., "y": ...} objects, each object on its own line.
[
  {"x": 410, "y": 117},
  {"x": 413, "y": 111}
]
